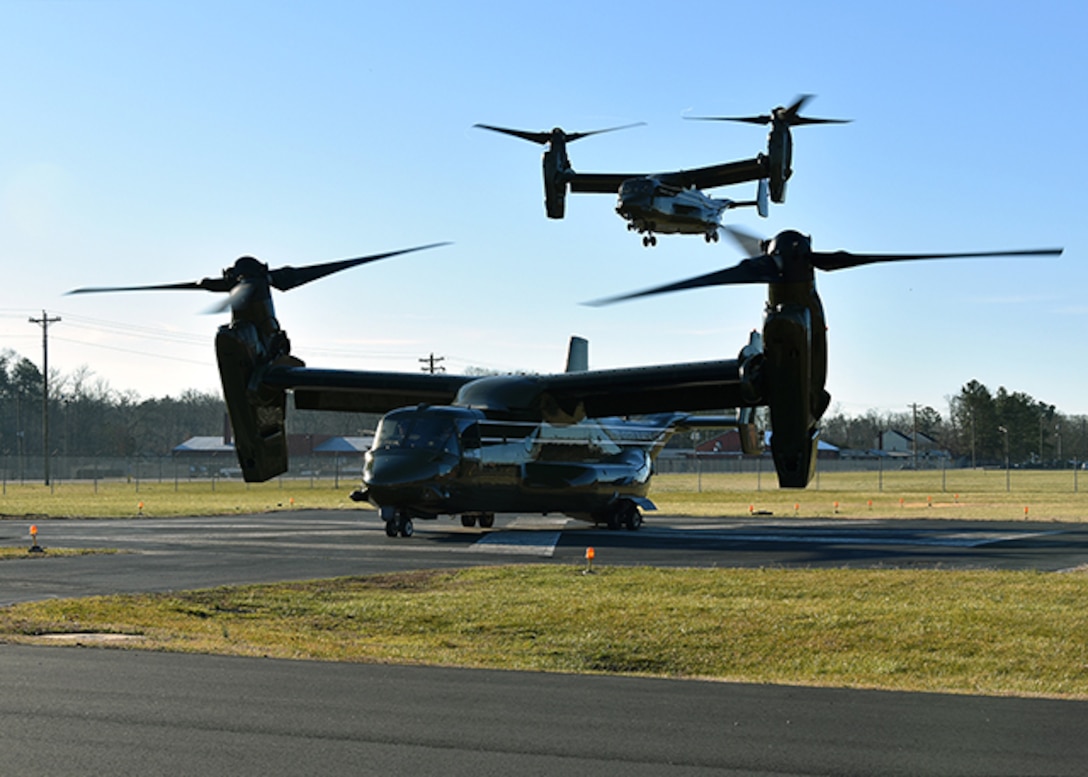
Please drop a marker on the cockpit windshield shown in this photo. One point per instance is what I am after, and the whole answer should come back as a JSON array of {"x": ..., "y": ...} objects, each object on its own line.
[
  {"x": 634, "y": 187},
  {"x": 417, "y": 430}
]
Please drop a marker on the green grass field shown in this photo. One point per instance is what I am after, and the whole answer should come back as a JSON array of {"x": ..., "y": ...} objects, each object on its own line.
[
  {"x": 968, "y": 494},
  {"x": 984, "y": 632},
  {"x": 991, "y": 632}
]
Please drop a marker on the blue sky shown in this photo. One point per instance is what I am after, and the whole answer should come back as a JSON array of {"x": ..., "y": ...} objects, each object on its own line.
[{"x": 149, "y": 142}]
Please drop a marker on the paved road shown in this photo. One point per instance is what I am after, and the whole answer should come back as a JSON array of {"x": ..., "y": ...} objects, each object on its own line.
[
  {"x": 67, "y": 711},
  {"x": 171, "y": 554},
  {"x": 96, "y": 711}
]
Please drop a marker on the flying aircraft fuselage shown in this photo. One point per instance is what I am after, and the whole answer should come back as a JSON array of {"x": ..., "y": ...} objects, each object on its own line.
[{"x": 651, "y": 206}]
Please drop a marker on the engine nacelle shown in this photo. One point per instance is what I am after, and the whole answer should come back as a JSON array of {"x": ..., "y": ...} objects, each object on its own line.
[
  {"x": 787, "y": 366},
  {"x": 779, "y": 160},
  {"x": 555, "y": 182},
  {"x": 257, "y": 412}
]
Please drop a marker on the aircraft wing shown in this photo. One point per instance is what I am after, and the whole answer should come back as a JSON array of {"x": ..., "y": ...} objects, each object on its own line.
[
  {"x": 599, "y": 183},
  {"x": 718, "y": 175},
  {"x": 363, "y": 392},
  {"x": 686, "y": 387},
  {"x": 563, "y": 396},
  {"x": 699, "y": 177},
  {"x": 571, "y": 396}
]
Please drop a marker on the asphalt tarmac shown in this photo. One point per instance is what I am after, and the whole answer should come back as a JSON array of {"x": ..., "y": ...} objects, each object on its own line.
[{"x": 68, "y": 710}]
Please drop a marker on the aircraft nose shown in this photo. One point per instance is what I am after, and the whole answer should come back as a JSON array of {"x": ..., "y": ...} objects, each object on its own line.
[{"x": 393, "y": 477}]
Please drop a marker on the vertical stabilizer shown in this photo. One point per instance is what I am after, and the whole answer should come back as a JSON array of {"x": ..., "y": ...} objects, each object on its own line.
[{"x": 578, "y": 354}]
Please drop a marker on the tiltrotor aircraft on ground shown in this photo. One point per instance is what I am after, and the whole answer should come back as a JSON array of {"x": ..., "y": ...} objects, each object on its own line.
[
  {"x": 673, "y": 202},
  {"x": 565, "y": 442}
]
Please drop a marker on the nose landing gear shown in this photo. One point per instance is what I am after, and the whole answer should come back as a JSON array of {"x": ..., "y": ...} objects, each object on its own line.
[{"x": 399, "y": 524}]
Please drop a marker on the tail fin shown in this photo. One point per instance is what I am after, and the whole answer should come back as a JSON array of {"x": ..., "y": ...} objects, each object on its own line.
[
  {"x": 762, "y": 208},
  {"x": 578, "y": 354}
]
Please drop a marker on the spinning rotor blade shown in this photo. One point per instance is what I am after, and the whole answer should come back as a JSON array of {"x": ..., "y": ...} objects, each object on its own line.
[
  {"x": 235, "y": 300},
  {"x": 791, "y": 259},
  {"x": 286, "y": 278},
  {"x": 839, "y": 260},
  {"x": 750, "y": 244},
  {"x": 207, "y": 284},
  {"x": 791, "y": 116},
  {"x": 759, "y": 269},
  {"x": 544, "y": 138},
  {"x": 238, "y": 280}
]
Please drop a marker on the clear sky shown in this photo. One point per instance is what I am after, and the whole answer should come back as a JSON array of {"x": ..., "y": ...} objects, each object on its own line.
[{"x": 149, "y": 142}]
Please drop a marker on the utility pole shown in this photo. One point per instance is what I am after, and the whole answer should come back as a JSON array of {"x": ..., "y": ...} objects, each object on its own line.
[
  {"x": 44, "y": 322},
  {"x": 431, "y": 365},
  {"x": 914, "y": 437}
]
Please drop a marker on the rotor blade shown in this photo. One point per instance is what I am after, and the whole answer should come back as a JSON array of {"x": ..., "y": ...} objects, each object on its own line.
[
  {"x": 792, "y": 112},
  {"x": 545, "y": 137},
  {"x": 761, "y": 119},
  {"x": 792, "y": 115},
  {"x": 532, "y": 137},
  {"x": 286, "y": 278},
  {"x": 237, "y": 298},
  {"x": 579, "y": 135},
  {"x": 207, "y": 284},
  {"x": 760, "y": 269},
  {"x": 838, "y": 260},
  {"x": 750, "y": 244}
]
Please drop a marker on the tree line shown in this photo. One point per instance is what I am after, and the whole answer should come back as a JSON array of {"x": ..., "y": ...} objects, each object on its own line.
[
  {"x": 87, "y": 417},
  {"x": 982, "y": 427}
]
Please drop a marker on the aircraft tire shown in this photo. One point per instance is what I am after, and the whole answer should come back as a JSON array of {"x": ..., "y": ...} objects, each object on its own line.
[
  {"x": 633, "y": 520},
  {"x": 468, "y": 521},
  {"x": 406, "y": 528},
  {"x": 390, "y": 528},
  {"x": 487, "y": 520}
]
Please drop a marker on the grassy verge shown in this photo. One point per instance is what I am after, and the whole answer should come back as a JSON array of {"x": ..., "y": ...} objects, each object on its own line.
[
  {"x": 956, "y": 494},
  {"x": 153, "y": 499},
  {"x": 7, "y": 553},
  {"x": 989, "y": 632},
  {"x": 965, "y": 494}
]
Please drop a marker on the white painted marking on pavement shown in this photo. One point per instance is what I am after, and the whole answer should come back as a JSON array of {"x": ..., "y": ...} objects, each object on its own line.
[{"x": 517, "y": 543}]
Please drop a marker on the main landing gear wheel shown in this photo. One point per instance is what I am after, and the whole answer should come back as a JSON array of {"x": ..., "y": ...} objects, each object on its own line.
[
  {"x": 649, "y": 240},
  {"x": 626, "y": 514},
  {"x": 401, "y": 525}
]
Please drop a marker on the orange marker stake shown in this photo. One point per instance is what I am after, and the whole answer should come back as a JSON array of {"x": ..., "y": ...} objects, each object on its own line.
[
  {"x": 34, "y": 546},
  {"x": 590, "y": 555}
]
